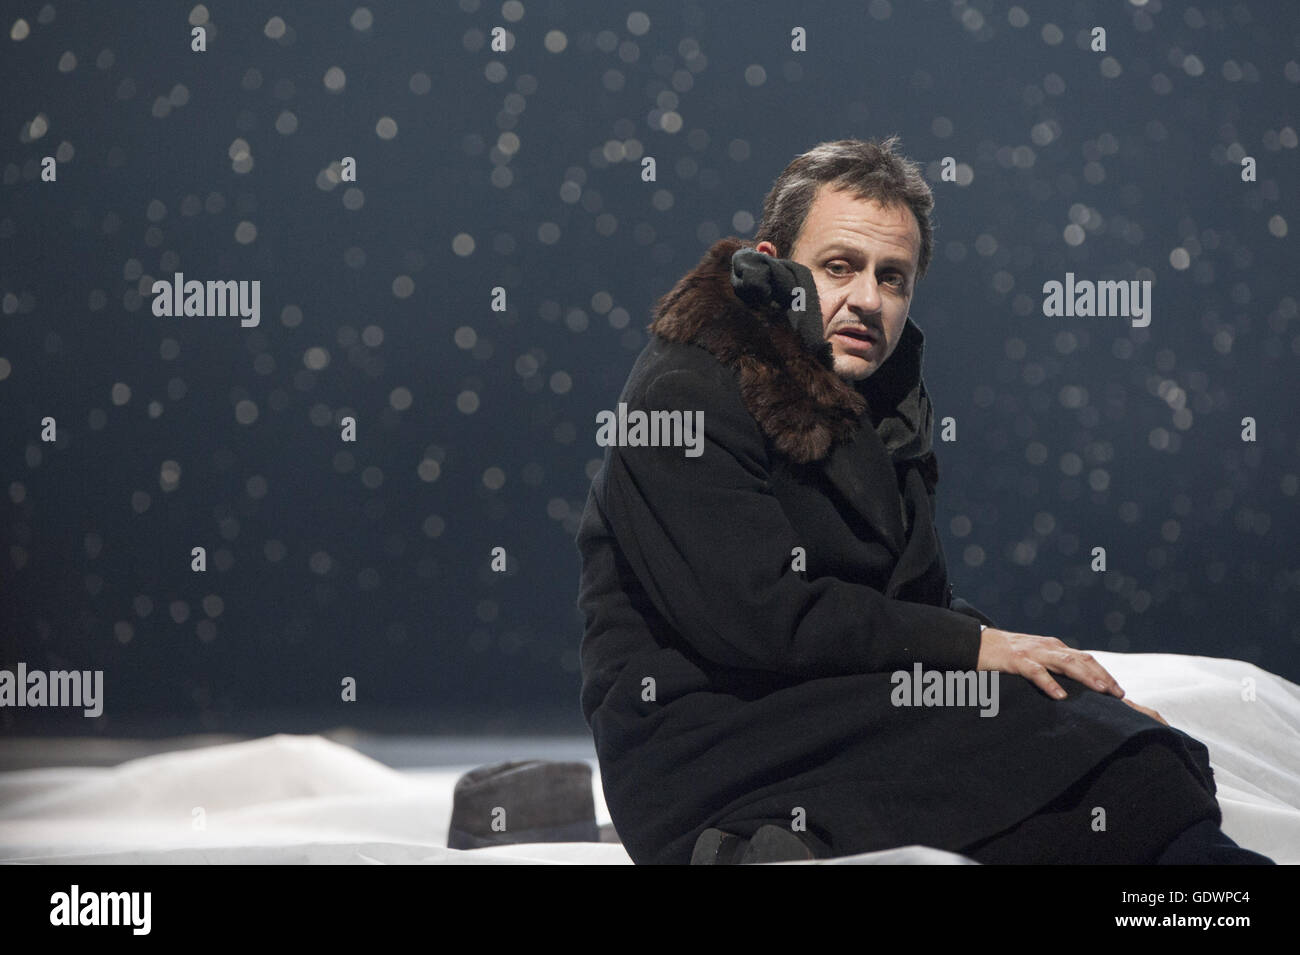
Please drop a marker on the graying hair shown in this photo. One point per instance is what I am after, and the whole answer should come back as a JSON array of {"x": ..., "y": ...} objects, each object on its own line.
[{"x": 867, "y": 169}]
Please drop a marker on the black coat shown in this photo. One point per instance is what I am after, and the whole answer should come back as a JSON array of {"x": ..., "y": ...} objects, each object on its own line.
[{"x": 772, "y": 686}]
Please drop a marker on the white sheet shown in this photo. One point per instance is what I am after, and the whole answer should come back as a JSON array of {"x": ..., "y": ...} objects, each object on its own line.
[{"x": 305, "y": 799}]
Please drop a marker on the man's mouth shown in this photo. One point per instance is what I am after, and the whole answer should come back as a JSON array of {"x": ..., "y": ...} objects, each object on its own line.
[{"x": 856, "y": 339}]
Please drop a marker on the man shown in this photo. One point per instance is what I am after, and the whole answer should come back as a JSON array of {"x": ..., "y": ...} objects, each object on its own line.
[{"x": 746, "y": 607}]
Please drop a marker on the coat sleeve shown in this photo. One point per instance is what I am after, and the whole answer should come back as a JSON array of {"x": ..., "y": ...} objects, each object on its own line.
[
  {"x": 711, "y": 545},
  {"x": 954, "y": 603},
  {"x": 970, "y": 610}
]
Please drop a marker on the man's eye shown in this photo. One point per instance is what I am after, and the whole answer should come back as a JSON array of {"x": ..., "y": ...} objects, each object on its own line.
[
  {"x": 896, "y": 279},
  {"x": 835, "y": 265}
]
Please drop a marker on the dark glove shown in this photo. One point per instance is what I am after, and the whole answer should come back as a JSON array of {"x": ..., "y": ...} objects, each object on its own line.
[{"x": 761, "y": 281}]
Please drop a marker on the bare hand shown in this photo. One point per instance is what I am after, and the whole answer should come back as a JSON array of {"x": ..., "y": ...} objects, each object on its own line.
[
  {"x": 1037, "y": 658},
  {"x": 1148, "y": 711}
]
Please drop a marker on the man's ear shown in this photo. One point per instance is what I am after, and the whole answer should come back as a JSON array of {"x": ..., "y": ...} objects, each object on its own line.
[{"x": 767, "y": 248}]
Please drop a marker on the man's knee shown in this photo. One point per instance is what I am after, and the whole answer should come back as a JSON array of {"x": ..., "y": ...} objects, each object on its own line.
[{"x": 1204, "y": 843}]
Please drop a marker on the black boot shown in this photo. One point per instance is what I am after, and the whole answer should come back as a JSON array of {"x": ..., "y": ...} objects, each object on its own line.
[
  {"x": 775, "y": 844},
  {"x": 715, "y": 847},
  {"x": 769, "y": 844}
]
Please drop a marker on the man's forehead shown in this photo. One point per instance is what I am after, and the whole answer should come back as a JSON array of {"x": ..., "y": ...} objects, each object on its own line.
[{"x": 839, "y": 218}]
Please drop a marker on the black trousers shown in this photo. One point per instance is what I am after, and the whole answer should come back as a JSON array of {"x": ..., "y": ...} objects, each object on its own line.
[
  {"x": 1155, "y": 812},
  {"x": 1206, "y": 844}
]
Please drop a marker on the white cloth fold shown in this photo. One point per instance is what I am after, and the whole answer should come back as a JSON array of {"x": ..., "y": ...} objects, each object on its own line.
[{"x": 305, "y": 799}]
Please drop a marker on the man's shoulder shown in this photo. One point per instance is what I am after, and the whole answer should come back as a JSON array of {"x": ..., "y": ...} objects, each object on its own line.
[
  {"x": 677, "y": 376},
  {"x": 667, "y": 369}
]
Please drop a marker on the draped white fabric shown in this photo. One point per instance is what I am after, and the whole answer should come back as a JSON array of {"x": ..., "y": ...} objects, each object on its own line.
[{"x": 305, "y": 799}]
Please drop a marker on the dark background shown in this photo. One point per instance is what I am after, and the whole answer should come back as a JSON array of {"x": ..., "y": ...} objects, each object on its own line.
[{"x": 476, "y": 428}]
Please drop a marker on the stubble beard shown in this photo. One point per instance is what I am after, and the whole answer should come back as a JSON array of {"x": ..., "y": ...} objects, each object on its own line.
[{"x": 852, "y": 369}]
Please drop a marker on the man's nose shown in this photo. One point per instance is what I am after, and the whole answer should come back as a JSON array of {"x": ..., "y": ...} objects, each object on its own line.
[{"x": 864, "y": 294}]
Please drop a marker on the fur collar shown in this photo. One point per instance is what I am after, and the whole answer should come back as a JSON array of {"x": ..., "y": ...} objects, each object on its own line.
[{"x": 792, "y": 392}]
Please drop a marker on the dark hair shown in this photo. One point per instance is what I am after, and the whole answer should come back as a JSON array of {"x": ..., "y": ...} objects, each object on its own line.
[{"x": 868, "y": 169}]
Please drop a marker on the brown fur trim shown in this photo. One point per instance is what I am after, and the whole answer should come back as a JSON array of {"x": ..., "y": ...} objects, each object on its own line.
[{"x": 802, "y": 405}]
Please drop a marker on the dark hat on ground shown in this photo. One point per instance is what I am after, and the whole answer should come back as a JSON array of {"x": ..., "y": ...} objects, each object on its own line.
[{"x": 534, "y": 800}]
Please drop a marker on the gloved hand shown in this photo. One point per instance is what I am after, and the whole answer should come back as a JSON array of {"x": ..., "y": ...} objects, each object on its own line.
[{"x": 764, "y": 281}]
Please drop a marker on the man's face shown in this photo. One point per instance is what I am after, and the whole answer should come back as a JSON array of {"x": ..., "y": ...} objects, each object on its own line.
[{"x": 863, "y": 256}]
